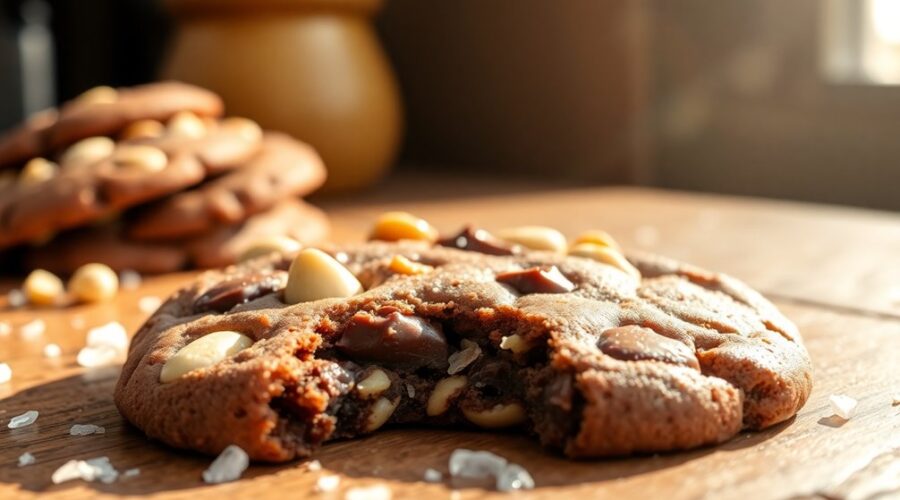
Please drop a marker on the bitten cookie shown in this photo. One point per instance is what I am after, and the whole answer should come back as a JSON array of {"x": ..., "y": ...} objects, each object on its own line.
[
  {"x": 103, "y": 111},
  {"x": 97, "y": 177},
  {"x": 283, "y": 168},
  {"x": 594, "y": 355},
  {"x": 221, "y": 246}
]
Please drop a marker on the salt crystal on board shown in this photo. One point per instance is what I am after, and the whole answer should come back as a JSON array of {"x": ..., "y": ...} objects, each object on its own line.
[
  {"x": 106, "y": 344},
  {"x": 377, "y": 492},
  {"x": 131, "y": 472},
  {"x": 16, "y": 298},
  {"x": 89, "y": 470},
  {"x": 843, "y": 406},
  {"x": 327, "y": 484},
  {"x": 23, "y": 420},
  {"x": 86, "y": 429},
  {"x": 514, "y": 477},
  {"x": 475, "y": 464},
  {"x": 129, "y": 279},
  {"x": 52, "y": 351},
  {"x": 314, "y": 466},
  {"x": 33, "y": 329},
  {"x": 92, "y": 357},
  {"x": 149, "y": 304},
  {"x": 228, "y": 466},
  {"x": 26, "y": 459},
  {"x": 5, "y": 373},
  {"x": 433, "y": 476}
]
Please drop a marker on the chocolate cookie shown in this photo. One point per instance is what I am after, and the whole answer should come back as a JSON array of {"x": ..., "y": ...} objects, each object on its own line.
[
  {"x": 103, "y": 111},
  {"x": 593, "y": 357},
  {"x": 283, "y": 168},
  {"x": 97, "y": 176},
  {"x": 219, "y": 247}
]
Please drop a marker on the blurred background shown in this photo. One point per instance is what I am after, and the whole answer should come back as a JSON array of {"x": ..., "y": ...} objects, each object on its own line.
[{"x": 795, "y": 100}]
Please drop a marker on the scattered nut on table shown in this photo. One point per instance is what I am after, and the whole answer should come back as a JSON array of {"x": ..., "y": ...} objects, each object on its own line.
[{"x": 94, "y": 283}]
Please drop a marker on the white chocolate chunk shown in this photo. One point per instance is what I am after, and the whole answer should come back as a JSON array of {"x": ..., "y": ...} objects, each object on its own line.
[
  {"x": 88, "y": 150},
  {"x": 373, "y": 385},
  {"x": 381, "y": 412},
  {"x": 535, "y": 238},
  {"x": 139, "y": 158},
  {"x": 205, "y": 351},
  {"x": 38, "y": 170},
  {"x": 497, "y": 417},
  {"x": 439, "y": 400},
  {"x": 315, "y": 275}
]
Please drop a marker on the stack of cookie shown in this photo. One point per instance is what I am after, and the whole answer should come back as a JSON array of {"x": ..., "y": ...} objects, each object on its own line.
[{"x": 151, "y": 179}]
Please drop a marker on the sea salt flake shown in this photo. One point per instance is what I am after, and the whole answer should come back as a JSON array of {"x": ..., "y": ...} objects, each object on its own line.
[
  {"x": 86, "y": 429},
  {"x": 514, "y": 477},
  {"x": 5, "y": 373},
  {"x": 89, "y": 470},
  {"x": 106, "y": 344},
  {"x": 52, "y": 351},
  {"x": 92, "y": 357},
  {"x": 377, "y": 492},
  {"x": 131, "y": 472},
  {"x": 313, "y": 466},
  {"x": 149, "y": 304},
  {"x": 23, "y": 420},
  {"x": 129, "y": 279},
  {"x": 228, "y": 466},
  {"x": 5, "y": 328},
  {"x": 26, "y": 459},
  {"x": 327, "y": 484},
  {"x": 33, "y": 329},
  {"x": 433, "y": 476},
  {"x": 15, "y": 298},
  {"x": 459, "y": 360},
  {"x": 475, "y": 464},
  {"x": 843, "y": 406}
]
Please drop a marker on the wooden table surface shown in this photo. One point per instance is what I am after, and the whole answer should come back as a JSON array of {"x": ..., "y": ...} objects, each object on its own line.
[{"x": 834, "y": 271}]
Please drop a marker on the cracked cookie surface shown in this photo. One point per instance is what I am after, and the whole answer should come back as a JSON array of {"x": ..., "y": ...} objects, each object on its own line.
[{"x": 590, "y": 359}]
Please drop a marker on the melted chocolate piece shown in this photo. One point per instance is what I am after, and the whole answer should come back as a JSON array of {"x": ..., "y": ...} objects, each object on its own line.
[
  {"x": 537, "y": 280},
  {"x": 479, "y": 240},
  {"x": 397, "y": 341},
  {"x": 225, "y": 296},
  {"x": 632, "y": 343}
]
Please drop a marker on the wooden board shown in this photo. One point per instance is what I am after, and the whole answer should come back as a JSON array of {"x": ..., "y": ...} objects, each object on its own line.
[{"x": 855, "y": 351}]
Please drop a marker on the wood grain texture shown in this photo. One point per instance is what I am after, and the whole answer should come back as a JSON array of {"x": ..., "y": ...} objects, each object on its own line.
[{"x": 854, "y": 351}]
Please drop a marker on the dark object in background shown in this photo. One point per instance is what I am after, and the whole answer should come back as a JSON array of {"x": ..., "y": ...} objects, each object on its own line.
[{"x": 94, "y": 42}]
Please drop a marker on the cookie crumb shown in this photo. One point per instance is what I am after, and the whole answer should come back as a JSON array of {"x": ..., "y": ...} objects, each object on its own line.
[
  {"x": 377, "y": 492},
  {"x": 86, "y": 429},
  {"x": 843, "y": 406},
  {"x": 26, "y": 459},
  {"x": 23, "y": 420},
  {"x": 15, "y": 298},
  {"x": 52, "y": 351},
  {"x": 461, "y": 359},
  {"x": 105, "y": 345},
  {"x": 88, "y": 470},
  {"x": 327, "y": 484},
  {"x": 5, "y": 373},
  {"x": 33, "y": 329},
  {"x": 228, "y": 466},
  {"x": 433, "y": 476},
  {"x": 484, "y": 464},
  {"x": 130, "y": 279},
  {"x": 149, "y": 304}
]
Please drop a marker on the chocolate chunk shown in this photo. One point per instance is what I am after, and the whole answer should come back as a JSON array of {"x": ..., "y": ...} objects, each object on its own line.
[
  {"x": 478, "y": 240},
  {"x": 236, "y": 291},
  {"x": 395, "y": 340},
  {"x": 632, "y": 343},
  {"x": 537, "y": 280}
]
